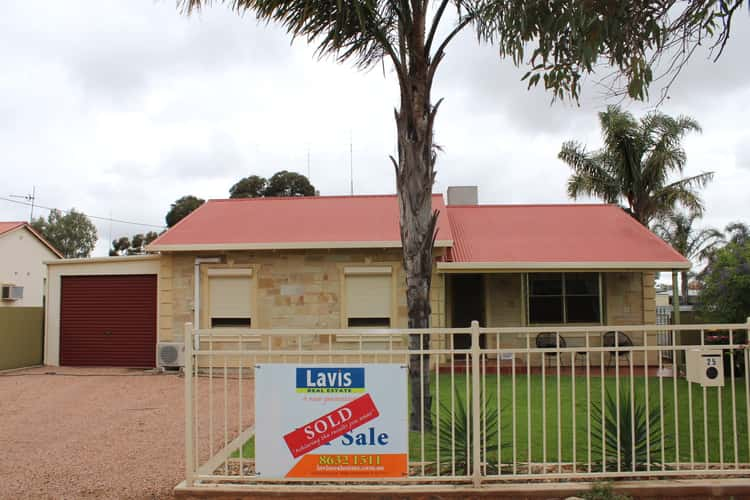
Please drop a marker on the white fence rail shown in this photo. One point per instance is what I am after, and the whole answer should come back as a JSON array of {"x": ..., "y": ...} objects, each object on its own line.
[{"x": 566, "y": 404}]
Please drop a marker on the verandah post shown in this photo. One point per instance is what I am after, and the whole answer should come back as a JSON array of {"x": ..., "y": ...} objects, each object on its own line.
[
  {"x": 476, "y": 459},
  {"x": 189, "y": 458}
]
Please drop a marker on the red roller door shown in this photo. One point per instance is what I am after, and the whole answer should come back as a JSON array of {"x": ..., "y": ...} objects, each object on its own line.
[{"x": 108, "y": 321}]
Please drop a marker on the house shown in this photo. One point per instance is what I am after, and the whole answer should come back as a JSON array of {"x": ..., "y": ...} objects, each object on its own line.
[
  {"x": 23, "y": 252},
  {"x": 335, "y": 262}
]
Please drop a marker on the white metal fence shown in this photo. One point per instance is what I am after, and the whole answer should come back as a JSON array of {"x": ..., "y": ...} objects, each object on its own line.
[{"x": 565, "y": 404}]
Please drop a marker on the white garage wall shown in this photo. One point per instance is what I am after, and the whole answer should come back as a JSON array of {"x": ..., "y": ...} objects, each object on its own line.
[{"x": 146, "y": 264}]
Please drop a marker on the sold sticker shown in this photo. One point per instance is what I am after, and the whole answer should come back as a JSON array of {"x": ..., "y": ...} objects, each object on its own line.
[{"x": 331, "y": 425}]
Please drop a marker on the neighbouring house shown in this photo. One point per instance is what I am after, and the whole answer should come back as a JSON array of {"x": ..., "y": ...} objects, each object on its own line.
[
  {"x": 23, "y": 253},
  {"x": 334, "y": 262}
]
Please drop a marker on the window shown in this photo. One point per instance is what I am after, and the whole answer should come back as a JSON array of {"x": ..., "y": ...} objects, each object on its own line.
[
  {"x": 230, "y": 297},
  {"x": 564, "y": 298},
  {"x": 368, "y": 297}
]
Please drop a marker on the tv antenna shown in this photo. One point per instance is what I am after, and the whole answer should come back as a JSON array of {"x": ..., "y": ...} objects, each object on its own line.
[
  {"x": 30, "y": 198},
  {"x": 308, "y": 162},
  {"x": 351, "y": 166}
]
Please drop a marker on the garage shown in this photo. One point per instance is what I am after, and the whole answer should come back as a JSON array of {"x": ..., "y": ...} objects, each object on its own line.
[
  {"x": 102, "y": 312},
  {"x": 108, "y": 321}
]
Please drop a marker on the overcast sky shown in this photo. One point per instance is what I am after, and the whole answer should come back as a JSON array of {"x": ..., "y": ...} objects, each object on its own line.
[{"x": 117, "y": 108}]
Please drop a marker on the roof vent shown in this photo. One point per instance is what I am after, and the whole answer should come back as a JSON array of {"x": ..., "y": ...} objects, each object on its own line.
[{"x": 463, "y": 195}]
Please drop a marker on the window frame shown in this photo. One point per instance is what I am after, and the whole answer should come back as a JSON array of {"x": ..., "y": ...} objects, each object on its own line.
[
  {"x": 227, "y": 271},
  {"x": 564, "y": 295}
]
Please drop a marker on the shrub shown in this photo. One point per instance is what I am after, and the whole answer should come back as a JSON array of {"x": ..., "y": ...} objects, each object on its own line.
[
  {"x": 635, "y": 449},
  {"x": 456, "y": 438}
]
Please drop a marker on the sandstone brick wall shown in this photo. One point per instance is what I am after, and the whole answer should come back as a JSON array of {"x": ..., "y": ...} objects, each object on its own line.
[
  {"x": 624, "y": 298},
  {"x": 315, "y": 278},
  {"x": 503, "y": 300}
]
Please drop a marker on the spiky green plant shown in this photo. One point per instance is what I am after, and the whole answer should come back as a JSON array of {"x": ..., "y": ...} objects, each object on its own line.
[
  {"x": 456, "y": 435},
  {"x": 640, "y": 435}
]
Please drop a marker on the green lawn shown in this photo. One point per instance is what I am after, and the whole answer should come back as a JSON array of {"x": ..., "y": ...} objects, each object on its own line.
[{"x": 545, "y": 417}]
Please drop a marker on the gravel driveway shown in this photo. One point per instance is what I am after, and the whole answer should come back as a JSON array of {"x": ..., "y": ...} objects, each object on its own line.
[{"x": 91, "y": 433}]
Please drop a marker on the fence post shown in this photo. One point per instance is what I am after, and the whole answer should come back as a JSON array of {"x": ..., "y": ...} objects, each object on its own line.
[
  {"x": 476, "y": 406},
  {"x": 188, "y": 369}
]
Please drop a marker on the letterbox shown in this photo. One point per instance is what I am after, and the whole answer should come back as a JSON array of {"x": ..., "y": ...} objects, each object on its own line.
[{"x": 705, "y": 367}]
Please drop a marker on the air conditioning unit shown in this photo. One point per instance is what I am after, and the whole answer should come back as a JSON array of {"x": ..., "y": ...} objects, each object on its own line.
[
  {"x": 171, "y": 354},
  {"x": 11, "y": 292}
]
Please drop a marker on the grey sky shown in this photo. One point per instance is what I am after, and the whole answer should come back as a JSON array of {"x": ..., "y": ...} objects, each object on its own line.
[{"x": 118, "y": 108}]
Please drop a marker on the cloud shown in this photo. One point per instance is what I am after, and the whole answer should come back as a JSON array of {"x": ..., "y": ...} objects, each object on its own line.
[
  {"x": 114, "y": 52},
  {"x": 743, "y": 153}
]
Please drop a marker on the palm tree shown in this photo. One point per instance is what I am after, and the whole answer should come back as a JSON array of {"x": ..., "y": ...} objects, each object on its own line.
[
  {"x": 738, "y": 232},
  {"x": 566, "y": 40},
  {"x": 695, "y": 244},
  {"x": 635, "y": 163}
]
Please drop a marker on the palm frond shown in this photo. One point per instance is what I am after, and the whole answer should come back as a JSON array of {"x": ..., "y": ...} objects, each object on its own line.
[
  {"x": 591, "y": 175},
  {"x": 361, "y": 30},
  {"x": 634, "y": 164},
  {"x": 677, "y": 229},
  {"x": 738, "y": 232}
]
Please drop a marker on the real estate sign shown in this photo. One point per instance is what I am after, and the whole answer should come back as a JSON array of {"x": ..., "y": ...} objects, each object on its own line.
[{"x": 331, "y": 421}]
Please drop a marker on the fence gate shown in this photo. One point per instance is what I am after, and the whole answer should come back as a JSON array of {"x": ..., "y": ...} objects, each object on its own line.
[{"x": 561, "y": 404}]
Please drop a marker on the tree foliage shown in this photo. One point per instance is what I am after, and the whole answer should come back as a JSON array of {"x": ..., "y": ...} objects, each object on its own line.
[
  {"x": 635, "y": 163},
  {"x": 72, "y": 234},
  {"x": 181, "y": 208},
  {"x": 559, "y": 40},
  {"x": 695, "y": 244},
  {"x": 253, "y": 186},
  {"x": 286, "y": 183},
  {"x": 725, "y": 296},
  {"x": 132, "y": 246},
  {"x": 283, "y": 183}
]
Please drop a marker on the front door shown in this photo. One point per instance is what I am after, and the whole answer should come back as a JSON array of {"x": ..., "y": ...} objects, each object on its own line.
[{"x": 467, "y": 294}]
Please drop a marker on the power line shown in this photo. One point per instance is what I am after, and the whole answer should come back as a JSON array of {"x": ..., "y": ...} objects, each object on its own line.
[
  {"x": 120, "y": 221},
  {"x": 28, "y": 197}
]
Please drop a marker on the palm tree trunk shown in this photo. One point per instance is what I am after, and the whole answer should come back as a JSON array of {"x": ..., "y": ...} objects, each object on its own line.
[
  {"x": 414, "y": 179},
  {"x": 684, "y": 287}
]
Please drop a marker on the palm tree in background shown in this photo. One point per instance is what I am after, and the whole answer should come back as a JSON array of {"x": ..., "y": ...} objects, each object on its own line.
[
  {"x": 695, "y": 244},
  {"x": 635, "y": 163},
  {"x": 738, "y": 232}
]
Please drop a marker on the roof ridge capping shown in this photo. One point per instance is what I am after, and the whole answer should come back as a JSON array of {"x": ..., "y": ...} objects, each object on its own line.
[
  {"x": 540, "y": 205},
  {"x": 320, "y": 197}
]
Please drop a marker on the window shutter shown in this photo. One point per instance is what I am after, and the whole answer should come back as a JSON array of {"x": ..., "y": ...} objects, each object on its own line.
[
  {"x": 368, "y": 295},
  {"x": 230, "y": 296}
]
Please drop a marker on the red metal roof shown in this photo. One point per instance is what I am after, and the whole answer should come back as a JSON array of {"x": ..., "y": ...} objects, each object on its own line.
[
  {"x": 554, "y": 234},
  {"x": 301, "y": 222},
  {"x": 9, "y": 226},
  {"x": 6, "y": 227},
  {"x": 479, "y": 234}
]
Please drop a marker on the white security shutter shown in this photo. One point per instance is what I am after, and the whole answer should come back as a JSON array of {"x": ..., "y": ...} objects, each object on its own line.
[
  {"x": 368, "y": 295},
  {"x": 230, "y": 296}
]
